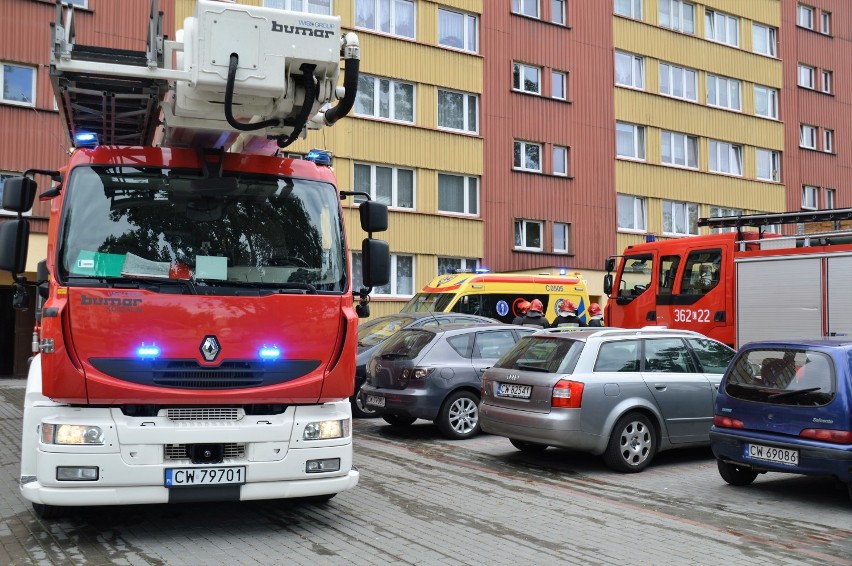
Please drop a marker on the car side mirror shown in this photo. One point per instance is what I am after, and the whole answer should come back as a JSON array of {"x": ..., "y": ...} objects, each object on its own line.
[
  {"x": 14, "y": 241},
  {"x": 374, "y": 216},
  {"x": 607, "y": 284},
  {"x": 375, "y": 262},
  {"x": 609, "y": 264},
  {"x": 19, "y": 194}
]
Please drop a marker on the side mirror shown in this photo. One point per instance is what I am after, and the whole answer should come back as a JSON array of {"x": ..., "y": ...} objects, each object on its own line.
[
  {"x": 14, "y": 240},
  {"x": 609, "y": 264},
  {"x": 374, "y": 217},
  {"x": 375, "y": 262},
  {"x": 42, "y": 277},
  {"x": 607, "y": 284},
  {"x": 19, "y": 194}
]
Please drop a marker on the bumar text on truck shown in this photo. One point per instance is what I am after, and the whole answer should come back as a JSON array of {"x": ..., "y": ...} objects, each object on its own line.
[{"x": 197, "y": 334}]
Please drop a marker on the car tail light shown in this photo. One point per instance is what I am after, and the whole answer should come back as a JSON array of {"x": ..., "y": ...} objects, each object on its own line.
[
  {"x": 727, "y": 422},
  {"x": 828, "y": 435},
  {"x": 416, "y": 373},
  {"x": 567, "y": 394}
]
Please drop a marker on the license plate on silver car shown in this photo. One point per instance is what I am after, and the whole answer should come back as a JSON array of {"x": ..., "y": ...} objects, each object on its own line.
[
  {"x": 179, "y": 477},
  {"x": 771, "y": 454},
  {"x": 514, "y": 390}
]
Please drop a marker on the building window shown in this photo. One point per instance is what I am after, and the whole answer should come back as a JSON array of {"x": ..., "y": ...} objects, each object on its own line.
[
  {"x": 629, "y": 140},
  {"x": 385, "y": 98},
  {"x": 768, "y": 165},
  {"x": 527, "y": 156},
  {"x": 632, "y": 213},
  {"x": 805, "y": 17},
  {"x": 721, "y": 28},
  {"x": 810, "y": 197},
  {"x": 561, "y": 234},
  {"x": 806, "y": 76},
  {"x": 678, "y": 82},
  {"x": 18, "y": 84},
  {"x": 764, "y": 40},
  {"x": 458, "y": 194},
  {"x": 680, "y": 150},
  {"x": 629, "y": 70},
  {"x": 629, "y": 8},
  {"x": 726, "y": 158},
  {"x": 717, "y": 211},
  {"x": 401, "y": 282},
  {"x": 526, "y": 78},
  {"x": 557, "y": 12},
  {"x": 830, "y": 198},
  {"x": 828, "y": 141},
  {"x": 80, "y": 3},
  {"x": 458, "y": 111},
  {"x": 559, "y": 85},
  {"x": 807, "y": 136},
  {"x": 458, "y": 30},
  {"x": 825, "y": 19},
  {"x": 560, "y": 160},
  {"x": 525, "y": 8},
  {"x": 388, "y": 185},
  {"x": 724, "y": 93},
  {"x": 680, "y": 218},
  {"x": 456, "y": 264},
  {"x": 826, "y": 82},
  {"x": 310, "y": 6},
  {"x": 394, "y": 18},
  {"x": 677, "y": 15},
  {"x": 528, "y": 235},
  {"x": 766, "y": 102}
]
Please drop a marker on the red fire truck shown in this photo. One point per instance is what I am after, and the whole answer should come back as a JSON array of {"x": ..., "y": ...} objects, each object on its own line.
[
  {"x": 197, "y": 335},
  {"x": 739, "y": 286}
]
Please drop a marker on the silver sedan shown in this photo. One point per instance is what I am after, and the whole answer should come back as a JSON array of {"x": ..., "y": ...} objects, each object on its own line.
[{"x": 621, "y": 394}]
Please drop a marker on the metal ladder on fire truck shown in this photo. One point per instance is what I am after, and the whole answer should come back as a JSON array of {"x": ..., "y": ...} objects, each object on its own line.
[
  {"x": 815, "y": 234},
  {"x": 247, "y": 78}
]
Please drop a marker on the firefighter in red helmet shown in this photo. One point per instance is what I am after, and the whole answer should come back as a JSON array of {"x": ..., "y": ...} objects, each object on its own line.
[
  {"x": 567, "y": 316},
  {"x": 596, "y": 315},
  {"x": 534, "y": 316},
  {"x": 523, "y": 307}
]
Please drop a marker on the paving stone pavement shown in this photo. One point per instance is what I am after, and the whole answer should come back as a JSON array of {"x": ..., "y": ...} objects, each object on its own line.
[{"x": 427, "y": 501}]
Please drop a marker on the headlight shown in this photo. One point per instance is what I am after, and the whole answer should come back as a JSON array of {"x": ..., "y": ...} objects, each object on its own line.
[
  {"x": 71, "y": 434},
  {"x": 322, "y": 430}
]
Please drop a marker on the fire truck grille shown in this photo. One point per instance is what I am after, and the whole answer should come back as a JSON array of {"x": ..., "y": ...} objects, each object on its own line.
[
  {"x": 179, "y": 451},
  {"x": 204, "y": 414},
  {"x": 189, "y": 374}
]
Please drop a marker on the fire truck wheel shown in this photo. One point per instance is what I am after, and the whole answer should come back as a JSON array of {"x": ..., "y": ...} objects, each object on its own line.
[
  {"x": 399, "y": 420},
  {"x": 48, "y": 511},
  {"x": 735, "y": 474}
]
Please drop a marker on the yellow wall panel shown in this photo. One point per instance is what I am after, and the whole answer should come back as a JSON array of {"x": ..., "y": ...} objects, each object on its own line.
[
  {"x": 764, "y": 11},
  {"x": 428, "y": 234}
]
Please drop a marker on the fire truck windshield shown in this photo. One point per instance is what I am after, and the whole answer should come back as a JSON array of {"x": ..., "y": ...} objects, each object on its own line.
[{"x": 141, "y": 222}]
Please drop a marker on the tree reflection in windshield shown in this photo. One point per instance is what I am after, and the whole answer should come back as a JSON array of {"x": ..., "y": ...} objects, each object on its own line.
[{"x": 266, "y": 230}]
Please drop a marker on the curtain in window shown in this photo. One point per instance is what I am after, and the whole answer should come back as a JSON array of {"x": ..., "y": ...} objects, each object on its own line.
[
  {"x": 451, "y": 193},
  {"x": 404, "y": 275},
  {"x": 405, "y": 188},
  {"x": 404, "y": 18},
  {"x": 365, "y": 16},
  {"x": 451, "y": 29},
  {"x": 450, "y": 110},
  {"x": 384, "y": 185}
]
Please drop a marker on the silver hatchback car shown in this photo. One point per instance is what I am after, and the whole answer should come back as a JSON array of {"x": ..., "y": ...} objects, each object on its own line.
[{"x": 622, "y": 394}]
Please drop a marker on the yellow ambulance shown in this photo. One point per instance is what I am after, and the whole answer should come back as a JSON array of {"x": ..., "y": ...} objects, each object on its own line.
[{"x": 498, "y": 295}]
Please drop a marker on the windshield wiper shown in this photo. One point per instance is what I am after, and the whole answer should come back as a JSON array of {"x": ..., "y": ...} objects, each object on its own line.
[
  {"x": 794, "y": 392},
  {"x": 134, "y": 281},
  {"x": 301, "y": 288},
  {"x": 526, "y": 367}
]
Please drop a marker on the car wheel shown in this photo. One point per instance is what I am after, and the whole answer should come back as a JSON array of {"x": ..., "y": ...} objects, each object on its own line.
[
  {"x": 48, "y": 511},
  {"x": 399, "y": 420},
  {"x": 459, "y": 416},
  {"x": 359, "y": 409},
  {"x": 528, "y": 447},
  {"x": 632, "y": 444},
  {"x": 735, "y": 474}
]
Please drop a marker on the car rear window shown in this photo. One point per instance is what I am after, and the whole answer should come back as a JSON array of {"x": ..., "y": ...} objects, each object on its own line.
[
  {"x": 536, "y": 353},
  {"x": 782, "y": 377},
  {"x": 379, "y": 330},
  {"x": 406, "y": 344}
]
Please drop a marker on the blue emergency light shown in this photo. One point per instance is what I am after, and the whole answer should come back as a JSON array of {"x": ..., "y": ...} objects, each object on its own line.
[
  {"x": 84, "y": 139},
  {"x": 144, "y": 351},
  {"x": 319, "y": 156},
  {"x": 269, "y": 353}
]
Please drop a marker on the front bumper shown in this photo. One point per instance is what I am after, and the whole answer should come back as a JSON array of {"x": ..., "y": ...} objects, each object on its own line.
[
  {"x": 815, "y": 458},
  {"x": 133, "y": 460}
]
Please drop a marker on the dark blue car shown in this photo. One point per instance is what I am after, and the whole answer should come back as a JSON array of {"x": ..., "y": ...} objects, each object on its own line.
[{"x": 785, "y": 407}]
